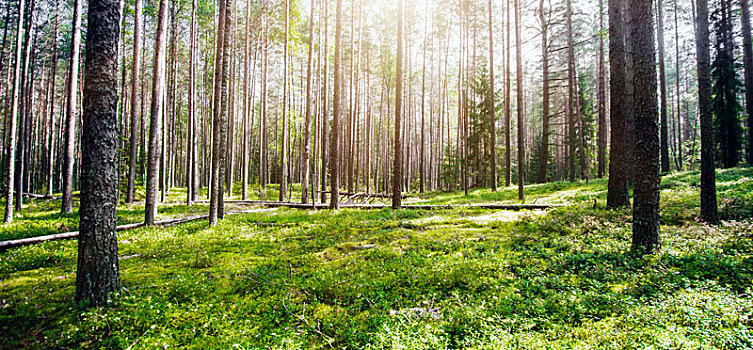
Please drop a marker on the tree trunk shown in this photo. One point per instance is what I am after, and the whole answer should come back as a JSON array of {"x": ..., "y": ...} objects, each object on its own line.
[
  {"x": 14, "y": 115},
  {"x": 492, "y": 109},
  {"x": 544, "y": 148},
  {"x": 703, "y": 58},
  {"x": 508, "y": 103},
  {"x": 397, "y": 165},
  {"x": 72, "y": 115},
  {"x": 646, "y": 205},
  {"x": 155, "y": 123},
  {"x": 285, "y": 98},
  {"x": 192, "y": 119},
  {"x": 97, "y": 274},
  {"x": 216, "y": 177},
  {"x": 519, "y": 93},
  {"x": 307, "y": 123},
  {"x": 664, "y": 133},
  {"x": 748, "y": 66},
  {"x": 601, "y": 95},
  {"x": 617, "y": 188},
  {"x": 135, "y": 72},
  {"x": 334, "y": 149}
]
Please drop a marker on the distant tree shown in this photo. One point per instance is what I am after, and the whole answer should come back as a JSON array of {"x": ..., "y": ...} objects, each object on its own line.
[
  {"x": 397, "y": 165},
  {"x": 71, "y": 118},
  {"x": 491, "y": 109},
  {"x": 14, "y": 115},
  {"x": 663, "y": 129},
  {"x": 334, "y": 153},
  {"x": 135, "y": 73},
  {"x": 545, "y": 116},
  {"x": 519, "y": 95},
  {"x": 155, "y": 120},
  {"x": 726, "y": 87},
  {"x": 97, "y": 274},
  {"x": 748, "y": 66}
]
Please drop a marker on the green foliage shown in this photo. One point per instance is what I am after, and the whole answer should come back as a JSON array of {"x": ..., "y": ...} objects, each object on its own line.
[{"x": 407, "y": 279}]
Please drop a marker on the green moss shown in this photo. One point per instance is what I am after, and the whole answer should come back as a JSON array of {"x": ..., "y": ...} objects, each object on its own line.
[{"x": 406, "y": 279}]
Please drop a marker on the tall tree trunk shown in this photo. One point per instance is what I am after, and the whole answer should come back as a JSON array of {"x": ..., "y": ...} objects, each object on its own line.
[
  {"x": 544, "y": 148},
  {"x": 664, "y": 133},
  {"x": 748, "y": 66},
  {"x": 97, "y": 275},
  {"x": 26, "y": 111},
  {"x": 703, "y": 58},
  {"x": 72, "y": 115},
  {"x": 155, "y": 123},
  {"x": 307, "y": 124},
  {"x": 191, "y": 149},
  {"x": 571, "y": 94},
  {"x": 601, "y": 95},
  {"x": 216, "y": 178},
  {"x": 397, "y": 165},
  {"x": 617, "y": 188},
  {"x": 508, "y": 103},
  {"x": 334, "y": 149},
  {"x": 325, "y": 110},
  {"x": 14, "y": 115},
  {"x": 519, "y": 93},
  {"x": 646, "y": 192},
  {"x": 135, "y": 73},
  {"x": 492, "y": 109},
  {"x": 53, "y": 84},
  {"x": 285, "y": 98}
]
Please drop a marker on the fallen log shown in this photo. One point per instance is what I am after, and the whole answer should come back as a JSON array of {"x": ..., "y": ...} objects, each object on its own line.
[{"x": 294, "y": 205}]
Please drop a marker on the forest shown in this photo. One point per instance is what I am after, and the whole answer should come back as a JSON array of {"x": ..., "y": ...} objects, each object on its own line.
[{"x": 387, "y": 174}]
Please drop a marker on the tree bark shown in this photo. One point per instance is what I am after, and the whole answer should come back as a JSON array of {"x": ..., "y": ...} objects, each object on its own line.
[
  {"x": 544, "y": 147},
  {"x": 155, "y": 123},
  {"x": 492, "y": 102},
  {"x": 646, "y": 192},
  {"x": 72, "y": 115},
  {"x": 703, "y": 59},
  {"x": 397, "y": 165},
  {"x": 216, "y": 178},
  {"x": 519, "y": 93},
  {"x": 748, "y": 66},
  {"x": 664, "y": 133},
  {"x": 601, "y": 95},
  {"x": 617, "y": 188},
  {"x": 97, "y": 274},
  {"x": 285, "y": 106},
  {"x": 334, "y": 159},
  {"x": 14, "y": 115},
  {"x": 135, "y": 73},
  {"x": 307, "y": 123}
]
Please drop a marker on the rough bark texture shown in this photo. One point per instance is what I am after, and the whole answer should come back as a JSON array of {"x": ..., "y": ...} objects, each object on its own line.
[
  {"x": 216, "y": 184},
  {"x": 617, "y": 193},
  {"x": 703, "y": 60},
  {"x": 646, "y": 192},
  {"x": 71, "y": 117},
  {"x": 97, "y": 273},
  {"x": 334, "y": 159},
  {"x": 285, "y": 106},
  {"x": 135, "y": 73},
  {"x": 155, "y": 123},
  {"x": 14, "y": 116},
  {"x": 748, "y": 66},
  {"x": 397, "y": 164}
]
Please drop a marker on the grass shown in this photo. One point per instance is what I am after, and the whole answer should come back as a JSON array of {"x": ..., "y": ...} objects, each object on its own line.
[{"x": 405, "y": 279}]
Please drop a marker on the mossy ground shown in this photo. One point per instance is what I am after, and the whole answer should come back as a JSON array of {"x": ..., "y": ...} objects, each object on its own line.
[{"x": 405, "y": 279}]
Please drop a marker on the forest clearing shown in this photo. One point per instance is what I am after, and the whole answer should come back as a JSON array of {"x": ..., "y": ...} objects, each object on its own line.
[{"x": 408, "y": 279}]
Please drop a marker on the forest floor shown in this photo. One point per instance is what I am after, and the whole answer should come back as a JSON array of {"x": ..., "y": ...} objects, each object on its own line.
[{"x": 466, "y": 278}]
